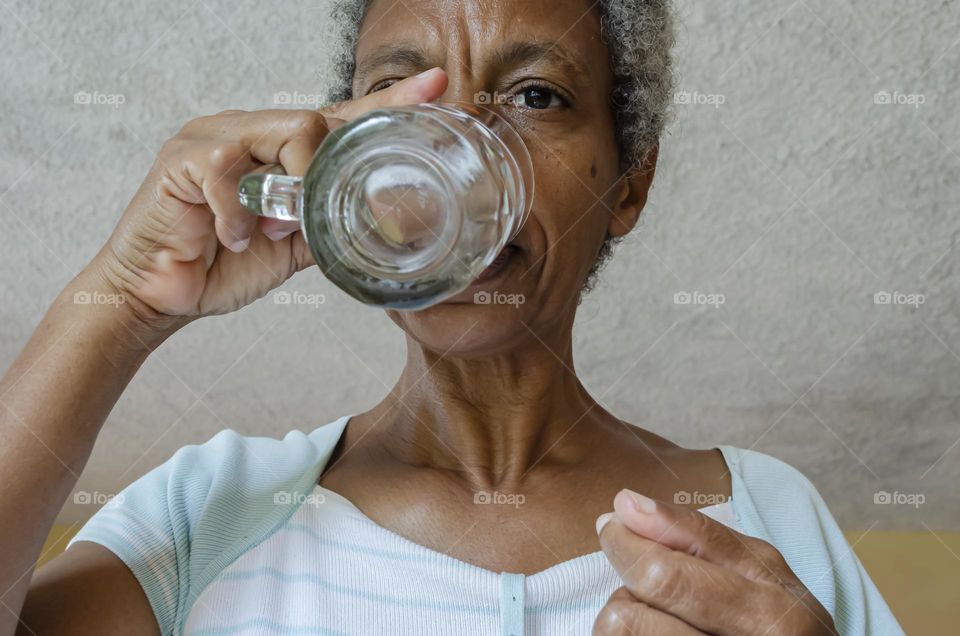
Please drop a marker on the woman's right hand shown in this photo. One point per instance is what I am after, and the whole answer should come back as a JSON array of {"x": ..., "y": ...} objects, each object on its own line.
[{"x": 185, "y": 247}]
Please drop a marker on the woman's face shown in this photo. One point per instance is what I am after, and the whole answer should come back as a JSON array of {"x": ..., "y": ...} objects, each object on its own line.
[{"x": 546, "y": 59}]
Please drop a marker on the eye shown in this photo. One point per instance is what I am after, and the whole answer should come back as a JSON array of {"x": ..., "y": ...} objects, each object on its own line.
[
  {"x": 382, "y": 84},
  {"x": 538, "y": 97}
]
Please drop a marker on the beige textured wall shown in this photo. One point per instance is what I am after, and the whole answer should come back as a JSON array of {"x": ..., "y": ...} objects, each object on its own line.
[{"x": 783, "y": 185}]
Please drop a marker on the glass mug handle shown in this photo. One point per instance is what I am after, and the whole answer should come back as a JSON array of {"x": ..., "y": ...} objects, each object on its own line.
[{"x": 272, "y": 193}]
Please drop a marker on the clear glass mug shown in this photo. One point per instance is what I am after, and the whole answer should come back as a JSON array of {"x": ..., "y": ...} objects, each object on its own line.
[{"x": 405, "y": 207}]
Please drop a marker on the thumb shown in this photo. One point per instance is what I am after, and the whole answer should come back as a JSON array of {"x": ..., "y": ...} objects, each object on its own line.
[{"x": 418, "y": 89}]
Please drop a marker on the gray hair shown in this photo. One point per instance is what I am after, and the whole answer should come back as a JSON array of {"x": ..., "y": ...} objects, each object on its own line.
[{"x": 640, "y": 36}]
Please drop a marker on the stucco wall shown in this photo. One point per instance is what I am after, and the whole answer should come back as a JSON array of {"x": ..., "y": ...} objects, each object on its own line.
[{"x": 783, "y": 185}]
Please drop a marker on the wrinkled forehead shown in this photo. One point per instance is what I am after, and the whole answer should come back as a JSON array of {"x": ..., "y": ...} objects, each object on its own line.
[{"x": 475, "y": 33}]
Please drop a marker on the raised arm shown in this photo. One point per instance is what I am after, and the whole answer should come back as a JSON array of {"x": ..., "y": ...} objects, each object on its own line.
[{"x": 184, "y": 248}]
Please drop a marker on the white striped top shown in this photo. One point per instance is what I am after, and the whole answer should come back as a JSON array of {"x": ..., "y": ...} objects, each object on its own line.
[
  {"x": 330, "y": 569},
  {"x": 235, "y": 537}
]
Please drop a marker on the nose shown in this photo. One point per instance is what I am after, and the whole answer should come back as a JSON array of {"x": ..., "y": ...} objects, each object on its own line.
[{"x": 462, "y": 86}]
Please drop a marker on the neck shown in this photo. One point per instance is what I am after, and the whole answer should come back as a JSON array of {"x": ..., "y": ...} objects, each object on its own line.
[{"x": 492, "y": 421}]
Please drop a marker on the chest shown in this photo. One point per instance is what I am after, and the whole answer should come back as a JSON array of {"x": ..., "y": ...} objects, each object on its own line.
[
  {"x": 525, "y": 530},
  {"x": 331, "y": 570}
]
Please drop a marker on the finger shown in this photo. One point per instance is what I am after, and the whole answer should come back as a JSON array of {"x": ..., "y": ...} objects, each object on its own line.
[
  {"x": 711, "y": 598},
  {"x": 215, "y": 152},
  {"x": 277, "y": 229},
  {"x": 285, "y": 256},
  {"x": 696, "y": 534},
  {"x": 291, "y": 139},
  {"x": 418, "y": 89},
  {"x": 277, "y": 136},
  {"x": 300, "y": 252},
  {"x": 214, "y": 169},
  {"x": 624, "y": 615}
]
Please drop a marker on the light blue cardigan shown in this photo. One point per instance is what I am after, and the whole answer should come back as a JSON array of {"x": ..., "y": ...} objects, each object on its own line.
[{"x": 186, "y": 520}]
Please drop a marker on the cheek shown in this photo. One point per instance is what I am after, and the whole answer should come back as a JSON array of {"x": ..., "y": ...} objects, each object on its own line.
[{"x": 572, "y": 201}]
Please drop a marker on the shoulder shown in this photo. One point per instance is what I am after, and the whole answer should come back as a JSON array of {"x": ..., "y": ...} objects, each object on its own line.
[
  {"x": 233, "y": 462},
  {"x": 231, "y": 478},
  {"x": 180, "y": 524},
  {"x": 778, "y": 503},
  {"x": 775, "y": 502},
  {"x": 231, "y": 475},
  {"x": 765, "y": 475}
]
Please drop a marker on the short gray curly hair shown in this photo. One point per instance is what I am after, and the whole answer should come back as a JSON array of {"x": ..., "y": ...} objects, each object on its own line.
[{"x": 640, "y": 36}]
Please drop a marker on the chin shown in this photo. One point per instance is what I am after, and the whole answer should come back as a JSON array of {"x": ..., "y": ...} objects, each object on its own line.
[
  {"x": 466, "y": 330},
  {"x": 489, "y": 317}
]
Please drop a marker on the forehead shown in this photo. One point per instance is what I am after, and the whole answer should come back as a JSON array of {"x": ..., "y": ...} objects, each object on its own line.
[{"x": 463, "y": 29}]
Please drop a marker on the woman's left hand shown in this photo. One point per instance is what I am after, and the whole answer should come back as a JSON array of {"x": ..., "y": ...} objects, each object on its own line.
[{"x": 685, "y": 573}]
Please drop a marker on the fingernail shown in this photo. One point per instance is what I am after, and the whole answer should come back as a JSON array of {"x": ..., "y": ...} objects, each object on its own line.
[
  {"x": 239, "y": 246},
  {"x": 427, "y": 74},
  {"x": 641, "y": 503},
  {"x": 276, "y": 235},
  {"x": 603, "y": 520}
]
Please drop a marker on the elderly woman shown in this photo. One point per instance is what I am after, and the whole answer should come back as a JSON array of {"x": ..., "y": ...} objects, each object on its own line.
[{"x": 470, "y": 499}]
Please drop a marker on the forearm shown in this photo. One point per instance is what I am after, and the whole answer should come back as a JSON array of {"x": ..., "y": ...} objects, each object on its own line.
[{"x": 53, "y": 402}]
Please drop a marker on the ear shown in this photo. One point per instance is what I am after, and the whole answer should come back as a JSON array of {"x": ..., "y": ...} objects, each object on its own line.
[{"x": 632, "y": 194}]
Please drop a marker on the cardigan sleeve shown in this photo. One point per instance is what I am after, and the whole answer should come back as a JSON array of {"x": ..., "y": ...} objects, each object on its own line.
[
  {"x": 180, "y": 524},
  {"x": 775, "y": 502}
]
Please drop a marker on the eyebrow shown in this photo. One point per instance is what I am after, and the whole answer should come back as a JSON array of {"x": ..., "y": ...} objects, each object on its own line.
[
  {"x": 407, "y": 56},
  {"x": 516, "y": 54},
  {"x": 411, "y": 56}
]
